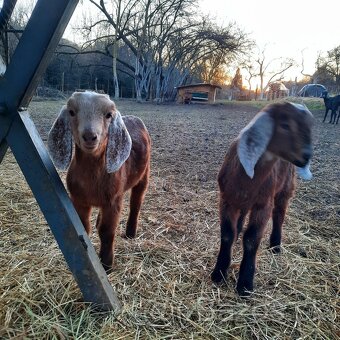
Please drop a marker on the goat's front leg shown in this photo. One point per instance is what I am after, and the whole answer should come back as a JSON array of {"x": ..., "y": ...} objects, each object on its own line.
[
  {"x": 107, "y": 223},
  {"x": 228, "y": 220},
  {"x": 251, "y": 241},
  {"x": 84, "y": 212},
  {"x": 324, "y": 118}
]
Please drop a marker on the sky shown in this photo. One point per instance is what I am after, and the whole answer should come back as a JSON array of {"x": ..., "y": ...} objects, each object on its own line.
[
  {"x": 285, "y": 28},
  {"x": 294, "y": 29}
]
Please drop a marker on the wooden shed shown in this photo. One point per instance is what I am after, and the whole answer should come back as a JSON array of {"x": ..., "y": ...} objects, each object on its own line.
[
  {"x": 204, "y": 93},
  {"x": 277, "y": 90}
]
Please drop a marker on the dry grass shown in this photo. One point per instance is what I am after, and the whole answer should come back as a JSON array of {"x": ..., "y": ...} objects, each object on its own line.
[{"x": 162, "y": 277}]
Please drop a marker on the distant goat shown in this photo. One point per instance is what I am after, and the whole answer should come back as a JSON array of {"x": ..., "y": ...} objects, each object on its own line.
[
  {"x": 258, "y": 176},
  {"x": 111, "y": 156},
  {"x": 331, "y": 103}
]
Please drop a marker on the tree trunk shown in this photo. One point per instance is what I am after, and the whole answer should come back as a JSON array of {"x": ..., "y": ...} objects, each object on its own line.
[
  {"x": 62, "y": 81},
  {"x": 114, "y": 68},
  {"x": 137, "y": 81}
]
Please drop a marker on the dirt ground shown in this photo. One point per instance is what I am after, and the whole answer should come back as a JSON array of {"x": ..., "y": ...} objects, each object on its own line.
[{"x": 162, "y": 277}]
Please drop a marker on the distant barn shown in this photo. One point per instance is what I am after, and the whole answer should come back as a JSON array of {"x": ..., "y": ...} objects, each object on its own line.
[{"x": 204, "y": 93}]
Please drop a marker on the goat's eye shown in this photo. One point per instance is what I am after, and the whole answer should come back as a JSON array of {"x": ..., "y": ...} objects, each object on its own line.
[
  {"x": 285, "y": 126},
  {"x": 108, "y": 115},
  {"x": 72, "y": 113}
]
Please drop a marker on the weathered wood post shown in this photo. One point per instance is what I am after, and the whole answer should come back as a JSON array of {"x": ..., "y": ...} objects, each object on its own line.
[{"x": 17, "y": 131}]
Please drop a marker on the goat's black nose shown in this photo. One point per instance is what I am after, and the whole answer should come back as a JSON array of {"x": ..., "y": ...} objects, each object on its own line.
[
  {"x": 89, "y": 136},
  {"x": 307, "y": 155}
]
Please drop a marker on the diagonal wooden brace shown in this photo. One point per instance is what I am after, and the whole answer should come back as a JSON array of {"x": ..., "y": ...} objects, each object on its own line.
[{"x": 18, "y": 132}]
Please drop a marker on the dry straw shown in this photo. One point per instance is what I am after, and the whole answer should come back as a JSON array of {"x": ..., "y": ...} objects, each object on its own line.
[{"x": 162, "y": 277}]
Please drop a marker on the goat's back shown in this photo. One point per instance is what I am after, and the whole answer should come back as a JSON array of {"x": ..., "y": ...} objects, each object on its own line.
[
  {"x": 141, "y": 144},
  {"x": 332, "y": 103},
  {"x": 238, "y": 189}
]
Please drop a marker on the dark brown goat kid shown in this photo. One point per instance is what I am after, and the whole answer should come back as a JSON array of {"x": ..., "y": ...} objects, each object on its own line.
[
  {"x": 111, "y": 156},
  {"x": 258, "y": 177}
]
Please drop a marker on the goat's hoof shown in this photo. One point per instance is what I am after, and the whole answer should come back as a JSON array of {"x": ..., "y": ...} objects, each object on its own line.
[
  {"x": 108, "y": 269},
  {"x": 107, "y": 263},
  {"x": 129, "y": 236},
  {"x": 244, "y": 290},
  {"x": 217, "y": 277},
  {"x": 275, "y": 249}
]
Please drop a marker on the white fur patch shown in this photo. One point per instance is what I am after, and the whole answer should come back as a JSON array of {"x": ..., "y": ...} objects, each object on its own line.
[
  {"x": 305, "y": 172},
  {"x": 302, "y": 107}
]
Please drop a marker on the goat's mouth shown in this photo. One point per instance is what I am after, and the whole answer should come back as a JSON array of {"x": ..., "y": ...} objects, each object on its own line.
[
  {"x": 300, "y": 163},
  {"x": 90, "y": 147}
]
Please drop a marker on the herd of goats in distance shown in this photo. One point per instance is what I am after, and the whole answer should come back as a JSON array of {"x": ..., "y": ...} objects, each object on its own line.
[{"x": 111, "y": 155}]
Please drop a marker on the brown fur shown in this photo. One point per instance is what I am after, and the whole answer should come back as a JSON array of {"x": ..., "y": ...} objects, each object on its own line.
[
  {"x": 265, "y": 195},
  {"x": 91, "y": 186},
  {"x": 111, "y": 156}
]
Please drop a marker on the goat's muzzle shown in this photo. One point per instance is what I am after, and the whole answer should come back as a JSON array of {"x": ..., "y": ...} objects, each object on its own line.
[
  {"x": 89, "y": 140},
  {"x": 305, "y": 157}
]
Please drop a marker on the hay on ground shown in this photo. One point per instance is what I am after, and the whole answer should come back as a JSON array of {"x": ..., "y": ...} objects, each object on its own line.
[{"x": 162, "y": 277}]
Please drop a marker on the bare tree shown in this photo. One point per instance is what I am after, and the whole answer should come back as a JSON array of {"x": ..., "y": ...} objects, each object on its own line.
[
  {"x": 223, "y": 46},
  {"x": 270, "y": 70},
  {"x": 165, "y": 39},
  {"x": 313, "y": 78},
  {"x": 111, "y": 27},
  {"x": 250, "y": 74},
  {"x": 13, "y": 18},
  {"x": 330, "y": 64}
]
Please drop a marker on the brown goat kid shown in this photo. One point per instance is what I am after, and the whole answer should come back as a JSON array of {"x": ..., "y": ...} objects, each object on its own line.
[
  {"x": 258, "y": 176},
  {"x": 111, "y": 156}
]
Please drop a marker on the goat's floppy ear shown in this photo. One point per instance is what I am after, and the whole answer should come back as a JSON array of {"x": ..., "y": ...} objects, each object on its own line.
[
  {"x": 253, "y": 141},
  {"x": 119, "y": 144},
  {"x": 59, "y": 140}
]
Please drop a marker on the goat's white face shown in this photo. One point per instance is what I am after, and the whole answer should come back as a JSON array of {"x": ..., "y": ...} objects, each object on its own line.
[
  {"x": 90, "y": 117},
  {"x": 91, "y": 121}
]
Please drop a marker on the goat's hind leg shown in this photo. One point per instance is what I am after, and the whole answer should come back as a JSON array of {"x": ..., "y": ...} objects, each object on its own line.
[
  {"x": 136, "y": 200},
  {"x": 279, "y": 212},
  {"x": 337, "y": 120}
]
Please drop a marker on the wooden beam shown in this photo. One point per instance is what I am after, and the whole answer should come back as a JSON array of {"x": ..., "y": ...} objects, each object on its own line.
[
  {"x": 34, "y": 51},
  {"x": 17, "y": 86},
  {"x": 39, "y": 171}
]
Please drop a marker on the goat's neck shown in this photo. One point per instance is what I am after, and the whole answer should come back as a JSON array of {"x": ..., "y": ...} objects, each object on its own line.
[
  {"x": 265, "y": 164},
  {"x": 96, "y": 159}
]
